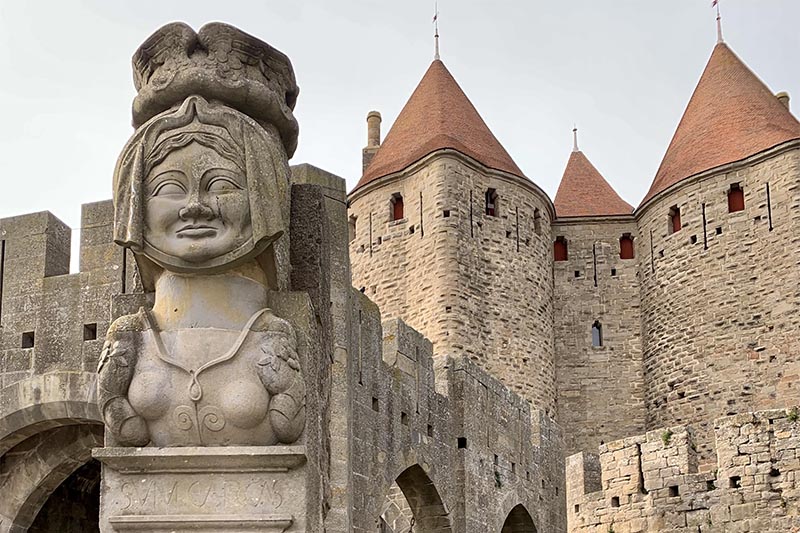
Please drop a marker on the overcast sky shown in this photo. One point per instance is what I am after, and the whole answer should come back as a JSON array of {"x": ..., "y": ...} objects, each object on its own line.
[{"x": 623, "y": 70}]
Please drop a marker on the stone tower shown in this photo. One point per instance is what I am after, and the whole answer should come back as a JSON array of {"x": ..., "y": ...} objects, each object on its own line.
[
  {"x": 717, "y": 250},
  {"x": 448, "y": 234},
  {"x": 597, "y": 319}
]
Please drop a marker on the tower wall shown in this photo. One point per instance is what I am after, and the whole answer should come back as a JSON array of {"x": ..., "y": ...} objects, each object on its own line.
[
  {"x": 600, "y": 388},
  {"x": 474, "y": 284},
  {"x": 720, "y": 304}
]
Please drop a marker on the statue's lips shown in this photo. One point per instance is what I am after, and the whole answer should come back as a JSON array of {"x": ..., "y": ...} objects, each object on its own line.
[{"x": 196, "y": 231}]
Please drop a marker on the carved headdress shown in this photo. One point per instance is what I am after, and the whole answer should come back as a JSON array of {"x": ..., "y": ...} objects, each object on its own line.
[{"x": 227, "y": 90}]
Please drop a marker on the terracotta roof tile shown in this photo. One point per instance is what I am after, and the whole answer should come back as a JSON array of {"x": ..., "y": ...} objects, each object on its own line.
[
  {"x": 438, "y": 115},
  {"x": 584, "y": 192},
  {"x": 731, "y": 116}
]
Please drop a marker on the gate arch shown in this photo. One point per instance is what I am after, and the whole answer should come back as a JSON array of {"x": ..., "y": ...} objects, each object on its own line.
[{"x": 519, "y": 521}]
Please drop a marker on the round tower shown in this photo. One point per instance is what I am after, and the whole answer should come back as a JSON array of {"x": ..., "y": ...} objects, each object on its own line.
[
  {"x": 450, "y": 236},
  {"x": 717, "y": 250}
]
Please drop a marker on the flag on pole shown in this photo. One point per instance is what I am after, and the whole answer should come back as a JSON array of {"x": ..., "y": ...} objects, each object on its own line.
[{"x": 714, "y": 3}]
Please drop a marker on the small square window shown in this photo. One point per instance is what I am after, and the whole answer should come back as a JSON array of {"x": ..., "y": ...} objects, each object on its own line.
[
  {"x": 411, "y": 229},
  {"x": 577, "y": 508},
  {"x": 89, "y": 332},
  {"x": 577, "y": 273},
  {"x": 28, "y": 339},
  {"x": 613, "y": 272},
  {"x": 718, "y": 231},
  {"x": 462, "y": 443},
  {"x": 404, "y": 418},
  {"x": 693, "y": 239},
  {"x": 615, "y": 501},
  {"x": 446, "y": 213},
  {"x": 735, "y": 482},
  {"x": 673, "y": 491},
  {"x": 710, "y": 485}
]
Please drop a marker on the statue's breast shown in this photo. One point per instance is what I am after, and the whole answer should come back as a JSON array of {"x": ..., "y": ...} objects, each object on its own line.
[{"x": 190, "y": 394}]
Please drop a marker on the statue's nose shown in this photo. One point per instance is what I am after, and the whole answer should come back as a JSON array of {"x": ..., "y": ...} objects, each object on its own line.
[{"x": 196, "y": 210}]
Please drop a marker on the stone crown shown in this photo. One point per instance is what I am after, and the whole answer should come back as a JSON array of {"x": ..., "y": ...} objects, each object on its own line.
[{"x": 219, "y": 62}]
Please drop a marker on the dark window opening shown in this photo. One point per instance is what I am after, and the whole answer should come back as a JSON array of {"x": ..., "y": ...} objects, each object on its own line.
[
  {"x": 380, "y": 240},
  {"x": 492, "y": 203},
  {"x": 673, "y": 491},
  {"x": 446, "y": 213},
  {"x": 537, "y": 221},
  {"x": 397, "y": 206},
  {"x": 774, "y": 472},
  {"x": 508, "y": 234},
  {"x": 597, "y": 334},
  {"x": 404, "y": 418},
  {"x": 613, "y": 272},
  {"x": 626, "y": 247},
  {"x": 615, "y": 501},
  {"x": 674, "y": 220},
  {"x": 496, "y": 459},
  {"x": 718, "y": 231},
  {"x": 89, "y": 332},
  {"x": 351, "y": 228},
  {"x": 710, "y": 485},
  {"x": 735, "y": 482},
  {"x": 693, "y": 239},
  {"x": 513, "y": 468},
  {"x": 411, "y": 230},
  {"x": 462, "y": 443},
  {"x": 430, "y": 430},
  {"x": 577, "y": 273},
  {"x": 28, "y": 339},
  {"x": 735, "y": 198},
  {"x": 560, "y": 249},
  {"x": 375, "y": 405},
  {"x": 577, "y": 508}
]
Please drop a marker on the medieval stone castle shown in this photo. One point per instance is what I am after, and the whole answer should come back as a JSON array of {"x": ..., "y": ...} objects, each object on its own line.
[{"x": 489, "y": 359}]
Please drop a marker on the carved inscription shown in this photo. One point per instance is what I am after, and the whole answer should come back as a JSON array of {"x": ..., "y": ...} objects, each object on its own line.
[{"x": 205, "y": 494}]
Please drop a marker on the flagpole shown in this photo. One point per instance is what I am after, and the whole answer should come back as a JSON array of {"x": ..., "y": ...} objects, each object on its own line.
[
  {"x": 719, "y": 23},
  {"x": 436, "y": 28}
]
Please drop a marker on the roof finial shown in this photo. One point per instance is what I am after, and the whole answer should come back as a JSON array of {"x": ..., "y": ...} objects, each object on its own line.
[
  {"x": 436, "y": 33},
  {"x": 715, "y": 3},
  {"x": 575, "y": 138}
]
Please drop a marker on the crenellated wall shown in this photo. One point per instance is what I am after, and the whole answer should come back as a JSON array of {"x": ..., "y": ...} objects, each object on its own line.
[
  {"x": 474, "y": 284},
  {"x": 651, "y": 482},
  {"x": 600, "y": 388},
  {"x": 720, "y": 305}
]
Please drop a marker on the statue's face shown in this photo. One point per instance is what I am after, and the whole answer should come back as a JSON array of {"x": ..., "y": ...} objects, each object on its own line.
[{"x": 197, "y": 205}]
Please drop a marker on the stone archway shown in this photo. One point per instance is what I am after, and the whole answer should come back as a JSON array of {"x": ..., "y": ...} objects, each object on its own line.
[
  {"x": 414, "y": 504},
  {"x": 49, "y": 424},
  {"x": 518, "y": 521}
]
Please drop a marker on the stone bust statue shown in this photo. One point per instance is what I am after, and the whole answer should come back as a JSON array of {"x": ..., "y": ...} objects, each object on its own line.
[{"x": 201, "y": 198}]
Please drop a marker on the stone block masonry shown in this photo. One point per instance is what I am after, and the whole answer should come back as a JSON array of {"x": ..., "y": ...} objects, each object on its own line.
[{"x": 651, "y": 482}]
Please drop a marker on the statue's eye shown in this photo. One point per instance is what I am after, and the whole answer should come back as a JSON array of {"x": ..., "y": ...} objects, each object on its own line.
[
  {"x": 169, "y": 188},
  {"x": 222, "y": 184}
]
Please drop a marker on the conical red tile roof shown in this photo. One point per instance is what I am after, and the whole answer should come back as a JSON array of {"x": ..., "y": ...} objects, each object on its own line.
[
  {"x": 731, "y": 116},
  {"x": 583, "y": 192},
  {"x": 438, "y": 115}
]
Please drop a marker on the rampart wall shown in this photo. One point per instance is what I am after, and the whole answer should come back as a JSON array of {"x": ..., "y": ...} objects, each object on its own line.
[
  {"x": 652, "y": 483},
  {"x": 473, "y": 283},
  {"x": 599, "y": 380},
  {"x": 720, "y": 304}
]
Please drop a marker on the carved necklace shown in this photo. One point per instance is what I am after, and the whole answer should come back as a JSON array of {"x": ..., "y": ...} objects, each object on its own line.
[{"x": 195, "y": 389}]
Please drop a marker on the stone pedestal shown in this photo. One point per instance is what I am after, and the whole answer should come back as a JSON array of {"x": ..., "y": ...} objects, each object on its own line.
[{"x": 221, "y": 489}]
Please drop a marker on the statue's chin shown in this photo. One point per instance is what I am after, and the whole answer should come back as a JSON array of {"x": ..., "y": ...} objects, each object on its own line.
[{"x": 205, "y": 260}]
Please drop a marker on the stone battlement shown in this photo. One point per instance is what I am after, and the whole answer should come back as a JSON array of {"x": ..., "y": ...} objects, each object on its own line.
[{"x": 651, "y": 482}]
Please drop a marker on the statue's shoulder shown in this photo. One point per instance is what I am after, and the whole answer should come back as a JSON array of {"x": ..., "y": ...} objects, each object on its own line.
[
  {"x": 128, "y": 324},
  {"x": 271, "y": 323}
]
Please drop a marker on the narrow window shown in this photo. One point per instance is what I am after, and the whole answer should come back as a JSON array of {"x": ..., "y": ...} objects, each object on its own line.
[
  {"x": 597, "y": 334},
  {"x": 674, "y": 219},
  {"x": 446, "y": 213},
  {"x": 560, "y": 249},
  {"x": 735, "y": 482},
  {"x": 735, "y": 198},
  {"x": 462, "y": 443},
  {"x": 626, "y": 246},
  {"x": 492, "y": 201},
  {"x": 375, "y": 404},
  {"x": 615, "y": 501},
  {"x": 673, "y": 491},
  {"x": 430, "y": 430},
  {"x": 351, "y": 228},
  {"x": 537, "y": 221},
  {"x": 404, "y": 418},
  {"x": 397, "y": 206}
]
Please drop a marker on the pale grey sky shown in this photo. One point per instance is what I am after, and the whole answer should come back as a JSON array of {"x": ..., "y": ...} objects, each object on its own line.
[{"x": 623, "y": 70}]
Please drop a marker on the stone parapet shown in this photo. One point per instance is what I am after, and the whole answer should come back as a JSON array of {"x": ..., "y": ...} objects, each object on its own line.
[{"x": 651, "y": 482}]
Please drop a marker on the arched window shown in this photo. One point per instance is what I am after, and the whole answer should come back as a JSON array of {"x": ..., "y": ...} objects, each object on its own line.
[
  {"x": 492, "y": 203},
  {"x": 560, "y": 249},
  {"x": 397, "y": 206},
  {"x": 597, "y": 334},
  {"x": 674, "y": 220},
  {"x": 537, "y": 221},
  {"x": 735, "y": 198},
  {"x": 626, "y": 246}
]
